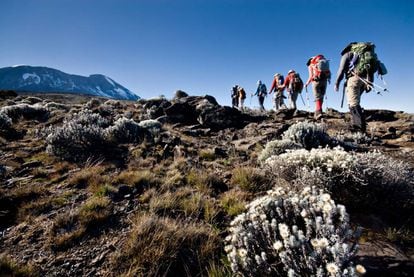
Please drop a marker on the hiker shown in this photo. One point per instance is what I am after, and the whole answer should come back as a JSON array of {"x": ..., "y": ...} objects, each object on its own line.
[
  {"x": 235, "y": 96},
  {"x": 358, "y": 65},
  {"x": 277, "y": 87},
  {"x": 319, "y": 75},
  {"x": 261, "y": 93},
  {"x": 242, "y": 97},
  {"x": 294, "y": 85}
]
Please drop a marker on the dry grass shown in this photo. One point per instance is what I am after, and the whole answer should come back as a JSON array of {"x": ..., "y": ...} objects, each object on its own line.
[
  {"x": 72, "y": 226},
  {"x": 40, "y": 206},
  {"x": 250, "y": 179},
  {"x": 163, "y": 246},
  {"x": 90, "y": 177},
  {"x": 9, "y": 267},
  {"x": 207, "y": 155},
  {"x": 138, "y": 179},
  {"x": 234, "y": 201},
  {"x": 205, "y": 182},
  {"x": 185, "y": 202}
]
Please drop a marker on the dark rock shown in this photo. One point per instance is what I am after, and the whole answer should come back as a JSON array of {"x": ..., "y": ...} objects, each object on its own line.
[
  {"x": 181, "y": 113},
  {"x": 124, "y": 190},
  {"x": 380, "y": 115},
  {"x": 7, "y": 94},
  {"x": 180, "y": 94}
]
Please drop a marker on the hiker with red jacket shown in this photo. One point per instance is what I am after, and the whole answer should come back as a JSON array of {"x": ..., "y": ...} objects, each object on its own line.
[
  {"x": 278, "y": 88},
  {"x": 358, "y": 65},
  {"x": 319, "y": 75},
  {"x": 294, "y": 85}
]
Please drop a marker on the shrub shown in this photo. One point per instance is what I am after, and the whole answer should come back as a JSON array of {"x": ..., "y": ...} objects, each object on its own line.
[
  {"x": 5, "y": 121},
  {"x": 125, "y": 130},
  {"x": 277, "y": 147},
  {"x": 166, "y": 247},
  {"x": 79, "y": 138},
  {"x": 293, "y": 234},
  {"x": 93, "y": 103},
  {"x": 36, "y": 111},
  {"x": 309, "y": 135},
  {"x": 332, "y": 162},
  {"x": 152, "y": 126},
  {"x": 56, "y": 106},
  {"x": 361, "y": 181}
]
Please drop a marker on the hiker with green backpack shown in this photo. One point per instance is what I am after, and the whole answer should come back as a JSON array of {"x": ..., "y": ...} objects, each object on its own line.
[{"x": 358, "y": 64}]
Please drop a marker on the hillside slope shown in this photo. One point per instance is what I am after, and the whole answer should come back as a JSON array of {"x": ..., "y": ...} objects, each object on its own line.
[{"x": 150, "y": 188}]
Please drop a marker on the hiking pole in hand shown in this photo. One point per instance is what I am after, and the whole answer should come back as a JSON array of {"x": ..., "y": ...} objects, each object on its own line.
[
  {"x": 343, "y": 95},
  {"x": 367, "y": 82},
  {"x": 303, "y": 101},
  {"x": 307, "y": 97}
]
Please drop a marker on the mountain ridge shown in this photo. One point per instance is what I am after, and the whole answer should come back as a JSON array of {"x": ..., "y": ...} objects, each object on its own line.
[{"x": 28, "y": 78}]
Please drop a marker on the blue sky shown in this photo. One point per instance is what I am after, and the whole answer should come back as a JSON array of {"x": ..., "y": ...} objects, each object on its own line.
[{"x": 155, "y": 47}]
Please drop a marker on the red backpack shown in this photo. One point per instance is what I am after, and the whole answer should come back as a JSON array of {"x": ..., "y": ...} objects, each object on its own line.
[{"x": 320, "y": 68}]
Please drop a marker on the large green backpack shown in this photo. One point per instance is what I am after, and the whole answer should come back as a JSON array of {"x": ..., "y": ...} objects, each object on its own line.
[{"x": 364, "y": 60}]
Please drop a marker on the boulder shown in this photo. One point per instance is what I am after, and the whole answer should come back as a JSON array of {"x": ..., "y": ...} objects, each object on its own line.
[{"x": 380, "y": 115}]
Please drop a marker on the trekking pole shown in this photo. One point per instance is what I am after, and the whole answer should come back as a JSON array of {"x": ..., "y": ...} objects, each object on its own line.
[
  {"x": 303, "y": 101},
  {"x": 372, "y": 84},
  {"x": 343, "y": 95},
  {"x": 307, "y": 97}
]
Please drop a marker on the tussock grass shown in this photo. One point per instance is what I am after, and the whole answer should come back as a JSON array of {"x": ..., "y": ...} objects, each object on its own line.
[
  {"x": 207, "y": 155},
  {"x": 250, "y": 179},
  {"x": 234, "y": 201},
  {"x": 90, "y": 177},
  {"x": 71, "y": 227},
  {"x": 162, "y": 246},
  {"x": 139, "y": 179},
  {"x": 185, "y": 202},
  {"x": 9, "y": 267}
]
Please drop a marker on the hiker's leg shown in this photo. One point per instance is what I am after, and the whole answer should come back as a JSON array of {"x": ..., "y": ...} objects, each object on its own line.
[
  {"x": 353, "y": 95},
  {"x": 294, "y": 97}
]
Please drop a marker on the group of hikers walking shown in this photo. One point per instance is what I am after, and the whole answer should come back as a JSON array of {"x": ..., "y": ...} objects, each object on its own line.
[{"x": 358, "y": 64}]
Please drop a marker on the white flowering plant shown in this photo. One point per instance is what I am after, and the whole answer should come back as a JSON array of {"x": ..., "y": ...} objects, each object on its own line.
[
  {"x": 5, "y": 121},
  {"x": 332, "y": 162},
  {"x": 125, "y": 130},
  {"x": 80, "y": 137},
  {"x": 36, "y": 111},
  {"x": 361, "y": 181},
  {"x": 277, "y": 147},
  {"x": 308, "y": 134},
  {"x": 292, "y": 234}
]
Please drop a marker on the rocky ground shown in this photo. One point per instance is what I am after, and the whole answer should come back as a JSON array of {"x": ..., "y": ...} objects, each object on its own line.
[{"x": 199, "y": 139}]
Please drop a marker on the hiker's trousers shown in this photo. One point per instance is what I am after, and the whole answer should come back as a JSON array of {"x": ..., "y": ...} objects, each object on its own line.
[
  {"x": 319, "y": 89},
  {"x": 354, "y": 90}
]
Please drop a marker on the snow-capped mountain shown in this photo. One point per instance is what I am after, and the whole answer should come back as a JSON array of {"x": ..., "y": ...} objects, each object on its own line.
[{"x": 44, "y": 79}]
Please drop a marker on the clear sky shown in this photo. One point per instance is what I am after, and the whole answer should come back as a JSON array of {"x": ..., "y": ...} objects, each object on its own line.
[{"x": 155, "y": 47}]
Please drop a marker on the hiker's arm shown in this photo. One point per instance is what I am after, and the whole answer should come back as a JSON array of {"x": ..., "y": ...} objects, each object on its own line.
[
  {"x": 310, "y": 76},
  {"x": 343, "y": 68},
  {"x": 273, "y": 85}
]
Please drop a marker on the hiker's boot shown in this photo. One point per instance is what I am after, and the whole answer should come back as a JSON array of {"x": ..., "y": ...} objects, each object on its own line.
[
  {"x": 318, "y": 114},
  {"x": 358, "y": 119}
]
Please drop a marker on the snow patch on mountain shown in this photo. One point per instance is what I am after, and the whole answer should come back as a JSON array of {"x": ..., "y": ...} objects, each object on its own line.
[{"x": 31, "y": 77}]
